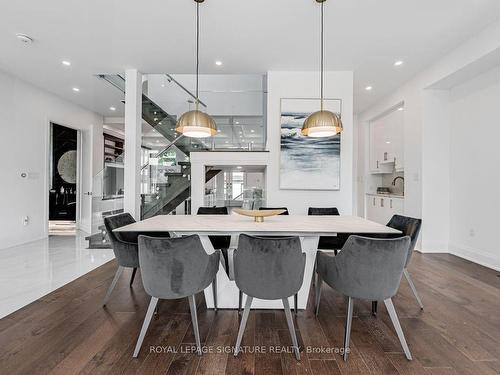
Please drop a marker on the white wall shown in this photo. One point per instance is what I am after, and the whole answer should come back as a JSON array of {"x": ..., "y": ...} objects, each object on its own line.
[
  {"x": 475, "y": 169},
  {"x": 25, "y": 114},
  {"x": 422, "y": 189},
  {"x": 338, "y": 85}
]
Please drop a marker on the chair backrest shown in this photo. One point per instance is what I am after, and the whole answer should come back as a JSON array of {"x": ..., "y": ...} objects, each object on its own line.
[
  {"x": 410, "y": 226},
  {"x": 319, "y": 211},
  {"x": 212, "y": 211},
  {"x": 269, "y": 268},
  {"x": 275, "y": 208},
  {"x": 124, "y": 244},
  {"x": 175, "y": 267},
  {"x": 117, "y": 221},
  {"x": 366, "y": 268}
]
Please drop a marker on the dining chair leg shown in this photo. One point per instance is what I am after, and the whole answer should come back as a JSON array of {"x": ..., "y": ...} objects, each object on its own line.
[
  {"x": 118, "y": 273},
  {"x": 296, "y": 303},
  {"x": 317, "y": 293},
  {"x": 374, "y": 308},
  {"x": 243, "y": 324},
  {"x": 412, "y": 286},
  {"x": 240, "y": 301},
  {"x": 291, "y": 328},
  {"x": 395, "y": 322},
  {"x": 194, "y": 319},
  {"x": 133, "y": 276},
  {"x": 348, "y": 324},
  {"x": 145, "y": 325},
  {"x": 214, "y": 292},
  {"x": 314, "y": 273}
]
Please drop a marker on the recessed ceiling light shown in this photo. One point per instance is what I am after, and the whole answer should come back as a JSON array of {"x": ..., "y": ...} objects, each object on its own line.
[
  {"x": 239, "y": 167},
  {"x": 112, "y": 108},
  {"x": 237, "y": 122},
  {"x": 368, "y": 88},
  {"x": 218, "y": 63},
  {"x": 398, "y": 63},
  {"x": 388, "y": 142},
  {"x": 66, "y": 63},
  {"x": 400, "y": 108},
  {"x": 76, "y": 89},
  {"x": 252, "y": 131},
  {"x": 218, "y": 130},
  {"x": 24, "y": 38}
]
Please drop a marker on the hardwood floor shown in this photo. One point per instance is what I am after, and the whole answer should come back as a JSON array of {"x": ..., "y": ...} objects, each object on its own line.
[{"x": 68, "y": 332}]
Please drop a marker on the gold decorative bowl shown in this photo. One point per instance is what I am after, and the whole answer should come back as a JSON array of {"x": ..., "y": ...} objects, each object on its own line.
[{"x": 258, "y": 215}]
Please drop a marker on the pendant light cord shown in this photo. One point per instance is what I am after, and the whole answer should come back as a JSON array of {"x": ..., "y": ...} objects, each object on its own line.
[
  {"x": 197, "y": 50},
  {"x": 321, "y": 64}
]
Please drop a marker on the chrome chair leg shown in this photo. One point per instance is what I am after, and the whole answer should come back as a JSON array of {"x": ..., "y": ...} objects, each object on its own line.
[
  {"x": 145, "y": 325},
  {"x": 291, "y": 328},
  {"x": 240, "y": 301},
  {"x": 412, "y": 286},
  {"x": 194, "y": 319},
  {"x": 243, "y": 324},
  {"x": 374, "y": 308},
  {"x": 395, "y": 322},
  {"x": 118, "y": 273},
  {"x": 348, "y": 325}
]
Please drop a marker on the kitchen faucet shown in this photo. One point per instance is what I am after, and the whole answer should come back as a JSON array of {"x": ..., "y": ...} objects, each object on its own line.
[
  {"x": 402, "y": 179},
  {"x": 394, "y": 181}
]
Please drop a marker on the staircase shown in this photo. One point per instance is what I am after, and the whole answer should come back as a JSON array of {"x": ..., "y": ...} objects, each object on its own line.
[{"x": 177, "y": 188}]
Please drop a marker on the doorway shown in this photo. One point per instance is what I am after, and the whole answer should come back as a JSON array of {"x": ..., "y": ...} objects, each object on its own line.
[{"x": 63, "y": 180}]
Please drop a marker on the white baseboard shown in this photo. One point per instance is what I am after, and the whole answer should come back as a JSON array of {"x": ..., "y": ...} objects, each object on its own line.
[{"x": 476, "y": 256}]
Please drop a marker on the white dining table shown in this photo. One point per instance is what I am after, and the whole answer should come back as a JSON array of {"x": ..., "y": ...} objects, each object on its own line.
[{"x": 307, "y": 228}]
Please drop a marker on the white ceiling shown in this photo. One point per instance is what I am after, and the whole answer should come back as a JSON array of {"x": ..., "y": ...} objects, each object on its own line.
[{"x": 251, "y": 36}]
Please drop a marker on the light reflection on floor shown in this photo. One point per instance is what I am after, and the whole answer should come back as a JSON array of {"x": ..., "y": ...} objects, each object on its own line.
[{"x": 30, "y": 271}]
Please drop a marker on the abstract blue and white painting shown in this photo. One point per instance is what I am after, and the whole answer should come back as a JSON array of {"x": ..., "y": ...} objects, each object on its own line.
[{"x": 308, "y": 163}]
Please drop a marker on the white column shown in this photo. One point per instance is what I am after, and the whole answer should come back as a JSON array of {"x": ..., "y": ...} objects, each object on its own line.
[
  {"x": 197, "y": 186},
  {"x": 132, "y": 160}
]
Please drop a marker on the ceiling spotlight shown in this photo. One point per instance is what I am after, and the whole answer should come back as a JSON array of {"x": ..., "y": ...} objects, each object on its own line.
[
  {"x": 112, "y": 108},
  {"x": 218, "y": 63},
  {"x": 368, "y": 88},
  {"x": 24, "y": 38},
  {"x": 66, "y": 63},
  {"x": 398, "y": 63},
  {"x": 76, "y": 89}
]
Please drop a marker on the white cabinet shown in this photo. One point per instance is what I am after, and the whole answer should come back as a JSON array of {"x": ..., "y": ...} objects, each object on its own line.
[
  {"x": 387, "y": 143},
  {"x": 381, "y": 208}
]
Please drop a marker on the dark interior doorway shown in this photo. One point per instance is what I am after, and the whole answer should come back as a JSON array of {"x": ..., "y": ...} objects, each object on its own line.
[{"x": 63, "y": 173}]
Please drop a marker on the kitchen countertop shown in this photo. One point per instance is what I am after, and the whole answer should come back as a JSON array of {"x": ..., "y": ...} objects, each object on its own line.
[{"x": 386, "y": 195}]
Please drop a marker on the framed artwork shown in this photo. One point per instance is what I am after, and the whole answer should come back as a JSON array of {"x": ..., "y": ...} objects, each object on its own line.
[{"x": 307, "y": 163}]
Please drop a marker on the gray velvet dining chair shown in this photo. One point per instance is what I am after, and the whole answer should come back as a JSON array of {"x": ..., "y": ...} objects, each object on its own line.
[
  {"x": 270, "y": 269},
  {"x": 369, "y": 269},
  {"x": 173, "y": 268},
  {"x": 221, "y": 243},
  {"x": 409, "y": 226},
  {"x": 296, "y": 296},
  {"x": 124, "y": 246}
]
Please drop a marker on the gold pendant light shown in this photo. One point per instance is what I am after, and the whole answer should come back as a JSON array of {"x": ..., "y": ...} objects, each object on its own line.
[
  {"x": 196, "y": 123},
  {"x": 322, "y": 123}
]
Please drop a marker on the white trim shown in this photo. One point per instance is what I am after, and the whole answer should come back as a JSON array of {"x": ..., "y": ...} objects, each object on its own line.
[{"x": 476, "y": 256}]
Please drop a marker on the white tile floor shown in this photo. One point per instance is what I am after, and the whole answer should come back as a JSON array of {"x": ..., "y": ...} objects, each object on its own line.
[{"x": 32, "y": 270}]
